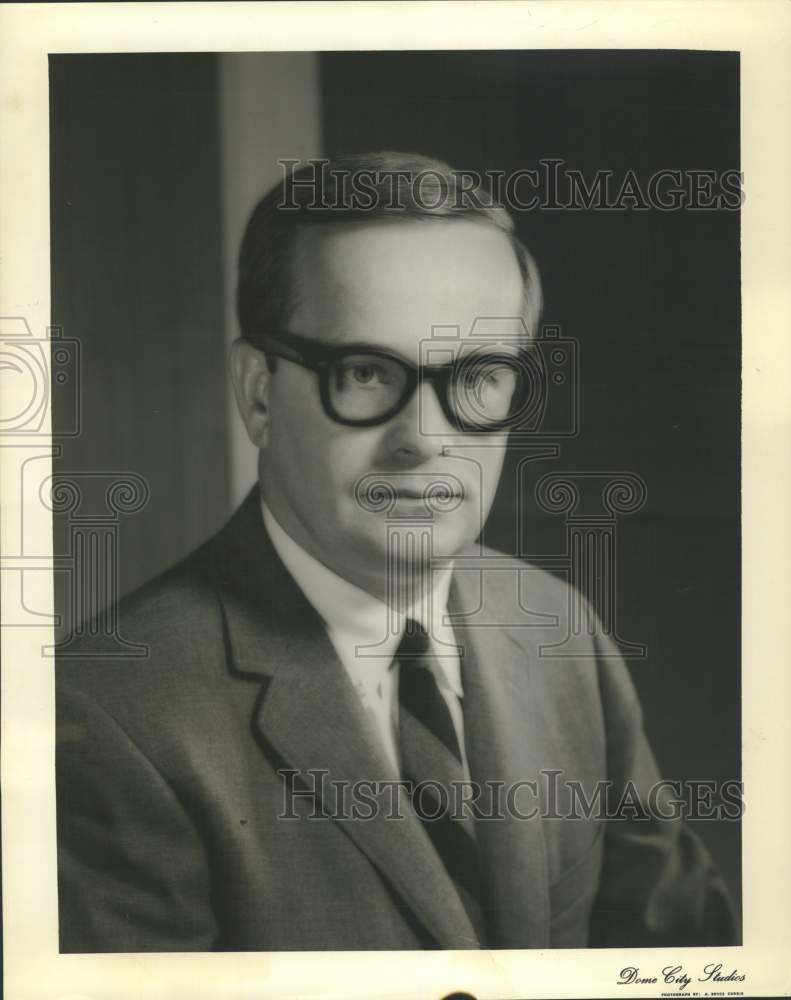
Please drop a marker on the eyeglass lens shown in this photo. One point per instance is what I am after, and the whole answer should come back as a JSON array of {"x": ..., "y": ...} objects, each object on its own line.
[{"x": 365, "y": 386}]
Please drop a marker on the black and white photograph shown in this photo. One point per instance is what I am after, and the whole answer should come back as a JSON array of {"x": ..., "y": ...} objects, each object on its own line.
[{"x": 388, "y": 420}]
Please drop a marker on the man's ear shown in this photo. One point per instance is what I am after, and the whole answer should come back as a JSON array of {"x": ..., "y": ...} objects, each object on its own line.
[{"x": 250, "y": 378}]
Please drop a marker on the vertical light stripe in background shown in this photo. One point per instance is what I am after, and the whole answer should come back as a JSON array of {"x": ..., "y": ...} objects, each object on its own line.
[{"x": 269, "y": 110}]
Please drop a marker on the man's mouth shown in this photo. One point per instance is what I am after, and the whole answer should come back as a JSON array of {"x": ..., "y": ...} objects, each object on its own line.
[{"x": 436, "y": 493}]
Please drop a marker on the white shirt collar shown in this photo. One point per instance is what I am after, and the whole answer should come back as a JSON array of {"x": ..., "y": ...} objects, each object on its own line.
[{"x": 356, "y": 620}]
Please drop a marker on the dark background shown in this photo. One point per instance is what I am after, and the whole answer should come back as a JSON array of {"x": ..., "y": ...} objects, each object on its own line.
[{"x": 652, "y": 298}]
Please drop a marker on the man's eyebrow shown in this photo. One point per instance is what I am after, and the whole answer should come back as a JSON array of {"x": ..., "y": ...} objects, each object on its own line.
[
  {"x": 365, "y": 347},
  {"x": 458, "y": 350},
  {"x": 368, "y": 346}
]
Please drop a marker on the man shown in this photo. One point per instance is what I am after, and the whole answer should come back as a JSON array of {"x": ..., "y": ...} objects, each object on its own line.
[{"x": 329, "y": 673}]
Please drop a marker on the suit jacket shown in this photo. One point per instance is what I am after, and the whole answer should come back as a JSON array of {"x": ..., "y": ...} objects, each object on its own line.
[{"x": 170, "y": 800}]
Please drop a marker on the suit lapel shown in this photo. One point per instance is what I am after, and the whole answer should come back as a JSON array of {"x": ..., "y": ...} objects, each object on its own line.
[
  {"x": 503, "y": 733},
  {"x": 311, "y": 716}
]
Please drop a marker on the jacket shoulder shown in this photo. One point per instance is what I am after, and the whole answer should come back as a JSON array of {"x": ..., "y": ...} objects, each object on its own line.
[
  {"x": 550, "y": 620},
  {"x": 512, "y": 590},
  {"x": 171, "y": 627}
]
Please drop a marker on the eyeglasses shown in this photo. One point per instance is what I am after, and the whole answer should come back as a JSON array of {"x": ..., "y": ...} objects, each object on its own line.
[{"x": 362, "y": 386}]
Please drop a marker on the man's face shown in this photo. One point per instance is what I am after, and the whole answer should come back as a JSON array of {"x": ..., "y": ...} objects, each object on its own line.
[{"x": 386, "y": 285}]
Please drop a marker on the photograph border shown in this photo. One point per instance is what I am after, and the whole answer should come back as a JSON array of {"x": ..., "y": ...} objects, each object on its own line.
[{"x": 761, "y": 32}]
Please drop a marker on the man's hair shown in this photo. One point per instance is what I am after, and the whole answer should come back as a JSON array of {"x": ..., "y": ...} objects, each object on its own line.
[{"x": 365, "y": 187}]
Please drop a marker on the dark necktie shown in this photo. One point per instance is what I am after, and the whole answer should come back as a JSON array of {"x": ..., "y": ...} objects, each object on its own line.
[{"x": 431, "y": 761}]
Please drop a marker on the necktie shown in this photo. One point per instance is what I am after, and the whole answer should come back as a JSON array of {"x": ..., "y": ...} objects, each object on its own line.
[{"x": 431, "y": 761}]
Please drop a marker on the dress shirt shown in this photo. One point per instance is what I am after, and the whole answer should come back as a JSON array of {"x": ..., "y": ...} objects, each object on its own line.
[{"x": 366, "y": 633}]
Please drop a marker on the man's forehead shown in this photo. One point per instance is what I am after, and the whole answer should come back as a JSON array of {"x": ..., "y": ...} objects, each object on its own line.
[
  {"x": 404, "y": 277},
  {"x": 458, "y": 242}
]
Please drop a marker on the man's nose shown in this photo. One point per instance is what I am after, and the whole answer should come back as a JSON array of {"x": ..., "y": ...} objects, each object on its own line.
[{"x": 421, "y": 429}]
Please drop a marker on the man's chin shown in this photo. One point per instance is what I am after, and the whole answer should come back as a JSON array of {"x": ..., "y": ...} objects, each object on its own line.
[{"x": 419, "y": 543}]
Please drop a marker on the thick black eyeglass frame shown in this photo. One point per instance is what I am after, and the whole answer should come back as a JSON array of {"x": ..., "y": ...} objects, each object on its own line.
[{"x": 320, "y": 357}]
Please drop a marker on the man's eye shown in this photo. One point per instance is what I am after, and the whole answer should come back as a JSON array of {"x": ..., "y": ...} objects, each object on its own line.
[
  {"x": 365, "y": 374},
  {"x": 483, "y": 376}
]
